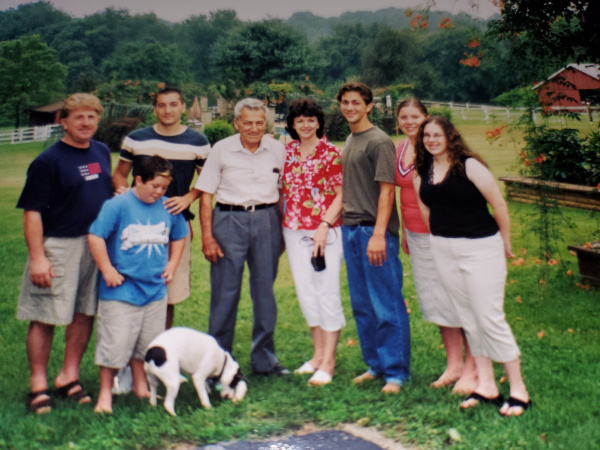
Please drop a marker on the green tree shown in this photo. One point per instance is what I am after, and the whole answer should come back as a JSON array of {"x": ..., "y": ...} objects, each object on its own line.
[
  {"x": 126, "y": 27},
  {"x": 545, "y": 35},
  {"x": 30, "y": 75},
  {"x": 128, "y": 91},
  {"x": 339, "y": 54},
  {"x": 147, "y": 60},
  {"x": 447, "y": 52},
  {"x": 197, "y": 35},
  {"x": 262, "y": 51},
  {"x": 82, "y": 49},
  {"x": 83, "y": 45},
  {"x": 39, "y": 18},
  {"x": 389, "y": 56}
]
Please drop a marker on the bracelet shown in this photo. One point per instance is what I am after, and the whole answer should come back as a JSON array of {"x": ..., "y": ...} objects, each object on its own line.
[{"x": 326, "y": 223}]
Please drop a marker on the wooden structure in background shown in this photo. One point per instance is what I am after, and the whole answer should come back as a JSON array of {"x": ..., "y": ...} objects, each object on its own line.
[{"x": 527, "y": 190}]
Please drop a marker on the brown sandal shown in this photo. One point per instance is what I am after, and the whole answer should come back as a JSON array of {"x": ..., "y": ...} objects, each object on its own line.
[
  {"x": 80, "y": 396},
  {"x": 41, "y": 407}
]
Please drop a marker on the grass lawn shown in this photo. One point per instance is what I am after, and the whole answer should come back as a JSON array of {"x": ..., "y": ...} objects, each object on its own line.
[{"x": 555, "y": 319}]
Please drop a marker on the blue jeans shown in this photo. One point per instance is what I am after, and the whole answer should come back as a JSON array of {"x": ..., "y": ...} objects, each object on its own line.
[{"x": 378, "y": 305}]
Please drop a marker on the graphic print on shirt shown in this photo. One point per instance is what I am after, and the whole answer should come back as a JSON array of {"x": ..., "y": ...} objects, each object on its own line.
[
  {"x": 146, "y": 236},
  {"x": 90, "y": 171}
]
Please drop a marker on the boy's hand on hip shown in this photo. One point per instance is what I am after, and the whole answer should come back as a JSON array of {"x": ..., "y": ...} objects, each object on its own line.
[{"x": 112, "y": 277}]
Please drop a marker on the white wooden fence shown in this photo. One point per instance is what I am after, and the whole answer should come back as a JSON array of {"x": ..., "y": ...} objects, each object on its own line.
[
  {"x": 34, "y": 134},
  {"x": 470, "y": 111},
  {"x": 460, "y": 111}
]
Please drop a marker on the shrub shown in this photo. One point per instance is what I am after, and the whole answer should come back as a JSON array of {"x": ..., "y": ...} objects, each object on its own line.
[
  {"x": 444, "y": 112},
  {"x": 113, "y": 134},
  {"x": 561, "y": 155},
  {"x": 385, "y": 121},
  {"x": 336, "y": 127},
  {"x": 217, "y": 130},
  {"x": 517, "y": 97}
]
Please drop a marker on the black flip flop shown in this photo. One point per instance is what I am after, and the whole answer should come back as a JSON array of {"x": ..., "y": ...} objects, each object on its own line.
[
  {"x": 513, "y": 402},
  {"x": 497, "y": 401}
]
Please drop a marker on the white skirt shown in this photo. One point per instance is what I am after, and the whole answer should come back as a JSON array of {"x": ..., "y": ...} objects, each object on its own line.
[
  {"x": 436, "y": 307},
  {"x": 473, "y": 271}
]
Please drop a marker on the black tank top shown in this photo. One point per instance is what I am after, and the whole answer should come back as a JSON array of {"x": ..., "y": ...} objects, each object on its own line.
[{"x": 457, "y": 208}]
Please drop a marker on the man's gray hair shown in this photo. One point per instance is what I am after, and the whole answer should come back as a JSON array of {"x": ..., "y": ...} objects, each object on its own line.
[{"x": 250, "y": 103}]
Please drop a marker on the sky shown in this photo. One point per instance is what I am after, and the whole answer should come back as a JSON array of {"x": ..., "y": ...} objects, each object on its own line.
[{"x": 178, "y": 10}]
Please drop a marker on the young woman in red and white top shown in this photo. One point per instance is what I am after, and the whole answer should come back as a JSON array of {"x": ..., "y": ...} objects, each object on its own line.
[
  {"x": 312, "y": 205},
  {"x": 434, "y": 303}
]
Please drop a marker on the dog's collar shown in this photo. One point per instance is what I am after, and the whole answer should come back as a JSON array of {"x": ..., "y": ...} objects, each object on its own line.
[{"x": 223, "y": 368}]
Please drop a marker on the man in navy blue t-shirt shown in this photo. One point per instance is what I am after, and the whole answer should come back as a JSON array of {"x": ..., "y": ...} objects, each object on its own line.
[{"x": 66, "y": 186}]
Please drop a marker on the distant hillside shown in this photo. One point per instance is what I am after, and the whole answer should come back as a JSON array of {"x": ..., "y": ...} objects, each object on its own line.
[{"x": 316, "y": 26}]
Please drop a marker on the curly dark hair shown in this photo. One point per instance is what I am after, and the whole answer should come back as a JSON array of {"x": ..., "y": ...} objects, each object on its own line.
[
  {"x": 458, "y": 150},
  {"x": 306, "y": 107}
]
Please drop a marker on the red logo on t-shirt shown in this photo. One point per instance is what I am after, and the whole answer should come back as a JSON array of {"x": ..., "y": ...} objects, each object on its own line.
[{"x": 94, "y": 168}]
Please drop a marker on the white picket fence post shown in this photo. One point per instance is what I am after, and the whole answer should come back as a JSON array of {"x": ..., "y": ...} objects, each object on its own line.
[{"x": 33, "y": 134}]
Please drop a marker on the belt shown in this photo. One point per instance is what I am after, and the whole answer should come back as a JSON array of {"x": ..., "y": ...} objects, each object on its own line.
[
  {"x": 362, "y": 223},
  {"x": 224, "y": 207},
  {"x": 365, "y": 223}
]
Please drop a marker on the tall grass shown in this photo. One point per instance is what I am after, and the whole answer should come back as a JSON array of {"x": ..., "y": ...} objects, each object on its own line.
[{"x": 557, "y": 325}]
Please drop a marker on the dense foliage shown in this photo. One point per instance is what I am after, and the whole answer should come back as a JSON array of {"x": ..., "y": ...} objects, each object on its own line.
[
  {"x": 545, "y": 35},
  {"x": 118, "y": 55},
  {"x": 435, "y": 55}
]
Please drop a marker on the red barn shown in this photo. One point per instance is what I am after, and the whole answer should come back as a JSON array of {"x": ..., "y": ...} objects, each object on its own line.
[
  {"x": 46, "y": 115},
  {"x": 574, "y": 86}
]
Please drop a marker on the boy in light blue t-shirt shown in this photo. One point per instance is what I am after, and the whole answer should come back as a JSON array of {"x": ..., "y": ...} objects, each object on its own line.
[{"x": 137, "y": 246}]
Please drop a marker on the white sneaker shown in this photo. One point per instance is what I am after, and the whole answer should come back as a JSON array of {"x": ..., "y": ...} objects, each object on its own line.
[
  {"x": 320, "y": 378},
  {"x": 307, "y": 367},
  {"x": 123, "y": 381}
]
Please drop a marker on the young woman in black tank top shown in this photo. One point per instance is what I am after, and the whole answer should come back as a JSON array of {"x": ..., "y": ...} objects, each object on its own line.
[{"x": 469, "y": 246}]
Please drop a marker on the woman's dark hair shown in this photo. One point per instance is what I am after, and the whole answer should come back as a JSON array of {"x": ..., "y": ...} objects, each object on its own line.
[
  {"x": 458, "y": 150},
  {"x": 308, "y": 108},
  {"x": 411, "y": 101}
]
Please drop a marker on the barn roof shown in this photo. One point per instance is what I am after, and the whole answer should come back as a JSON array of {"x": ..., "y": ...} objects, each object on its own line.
[
  {"x": 592, "y": 70},
  {"x": 51, "y": 108}
]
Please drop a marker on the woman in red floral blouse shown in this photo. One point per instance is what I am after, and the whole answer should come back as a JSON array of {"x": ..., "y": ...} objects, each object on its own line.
[{"x": 312, "y": 205}]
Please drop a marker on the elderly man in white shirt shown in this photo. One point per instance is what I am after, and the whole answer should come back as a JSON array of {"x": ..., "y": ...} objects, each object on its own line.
[{"x": 244, "y": 173}]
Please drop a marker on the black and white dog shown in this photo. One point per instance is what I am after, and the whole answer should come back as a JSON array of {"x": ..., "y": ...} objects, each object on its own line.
[{"x": 184, "y": 349}]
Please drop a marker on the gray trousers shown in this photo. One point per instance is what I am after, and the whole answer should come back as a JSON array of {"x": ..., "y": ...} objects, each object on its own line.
[{"x": 252, "y": 237}]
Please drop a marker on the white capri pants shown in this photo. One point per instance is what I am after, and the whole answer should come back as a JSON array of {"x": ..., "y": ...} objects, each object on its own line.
[
  {"x": 318, "y": 292},
  {"x": 473, "y": 271},
  {"x": 436, "y": 307}
]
